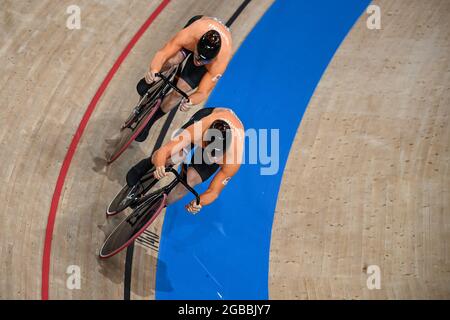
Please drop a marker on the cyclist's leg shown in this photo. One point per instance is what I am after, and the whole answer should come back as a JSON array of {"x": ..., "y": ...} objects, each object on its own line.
[{"x": 138, "y": 171}]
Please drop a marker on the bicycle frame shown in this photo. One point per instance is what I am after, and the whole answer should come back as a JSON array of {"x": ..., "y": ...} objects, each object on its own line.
[
  {"x": 167, "y": 189},
  {"x": 173, "y": 86},
  {"x": 146, "y": 109},
  {"x": 156, "y": 92},
  {"x": 144, "y": 215},
  {"x": 182, "y": 179}
]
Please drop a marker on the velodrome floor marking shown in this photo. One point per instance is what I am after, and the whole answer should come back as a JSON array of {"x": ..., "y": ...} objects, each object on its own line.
[{"x": 74, "y": 144}]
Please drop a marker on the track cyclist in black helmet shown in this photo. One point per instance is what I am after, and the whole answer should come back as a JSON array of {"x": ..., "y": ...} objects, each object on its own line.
[
  {"x": 216, "y": 137},
  {"x": 207, "y": 45}
]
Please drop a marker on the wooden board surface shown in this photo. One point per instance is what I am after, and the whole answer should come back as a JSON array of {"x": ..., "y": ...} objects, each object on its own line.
[
  {"x": 368, "y": 177},
  {"x": 49, "y": 76}
]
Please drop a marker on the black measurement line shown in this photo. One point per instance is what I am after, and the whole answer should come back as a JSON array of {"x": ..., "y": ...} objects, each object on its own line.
[
  {"x": 151, "y": 235},
  {"x": 127, "y": 273},
  {"x": 237, "y": 13},
  {"x": 148, "y": 244},
  {"x": 148, "y": 239}
]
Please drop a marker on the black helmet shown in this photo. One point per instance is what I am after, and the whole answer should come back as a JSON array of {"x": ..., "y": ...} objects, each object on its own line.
[
  {"x": 209, "y": 45},
  {"x": 218, "y": 138}
]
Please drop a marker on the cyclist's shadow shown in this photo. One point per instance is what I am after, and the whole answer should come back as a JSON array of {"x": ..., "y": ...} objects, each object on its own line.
[
  {"x": 114, "y": 269},
  {"x": 152, "y": 265},
  {"x": 116, "y": 171}
]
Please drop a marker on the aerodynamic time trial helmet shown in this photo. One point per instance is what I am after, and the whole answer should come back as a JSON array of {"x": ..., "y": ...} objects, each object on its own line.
[
  {"x": 218, "y": 138},
  {"x": 208, "y": 47}
]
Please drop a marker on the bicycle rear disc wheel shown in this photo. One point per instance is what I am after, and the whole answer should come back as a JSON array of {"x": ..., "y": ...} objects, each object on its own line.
[{"x": 132, "y": 226}]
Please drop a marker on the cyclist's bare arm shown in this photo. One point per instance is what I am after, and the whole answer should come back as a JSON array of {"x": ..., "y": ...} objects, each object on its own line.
[
  {"x": 170, "y": 51},
  {"x": 219, "y": 182},
  {"x": 175, "y": 60},
  {"x": 209, "y": 81},
  {"x": 173, "y": 150}
]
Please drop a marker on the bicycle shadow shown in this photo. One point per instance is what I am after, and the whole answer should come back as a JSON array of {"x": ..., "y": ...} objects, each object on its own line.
[
  {"x": 98, "y": 149},
  {"x": 112, "y": 268},
  {"x": 143, "y": 282},
  {"x": 163, "y": 282},
  {"x": 145, "y": 285}
]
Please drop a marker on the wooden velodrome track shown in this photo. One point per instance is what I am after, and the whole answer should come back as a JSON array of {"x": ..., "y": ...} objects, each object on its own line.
[
  {"x": 367, "y": 181},
  {"x": 50, "y": 76},
  {"x": 368, "y": 178}
]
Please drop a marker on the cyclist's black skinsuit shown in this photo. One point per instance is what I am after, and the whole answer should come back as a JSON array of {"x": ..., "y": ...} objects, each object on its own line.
[{"x": 204, "y": 170}]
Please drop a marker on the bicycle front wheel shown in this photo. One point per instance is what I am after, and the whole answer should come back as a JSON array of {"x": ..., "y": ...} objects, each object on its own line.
[
  {"x": 120, "y": 202},
  {"x": 132, "y": 226},
  {"x": 124, "y": 198}
]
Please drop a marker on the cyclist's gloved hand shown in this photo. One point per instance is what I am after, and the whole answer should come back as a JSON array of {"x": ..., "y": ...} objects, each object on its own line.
[
  {"x": 150, "y": 76},
  {"x": 193, "y": 207},
  {"x": 186, "y": 105},
  {"x": 160, "y": 172}
]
